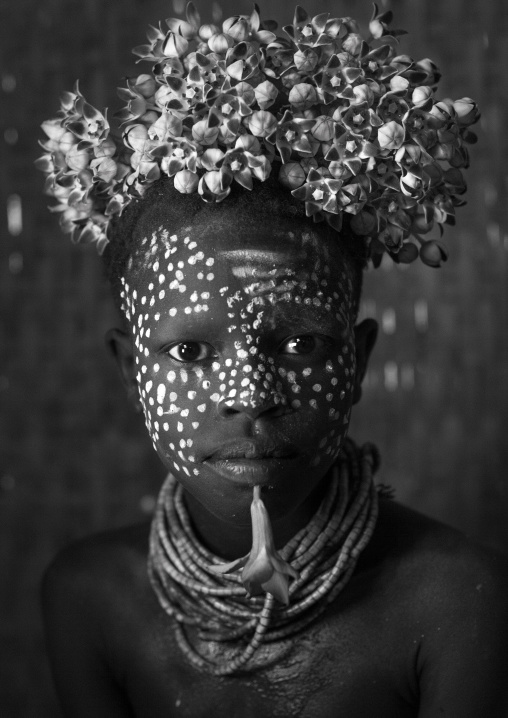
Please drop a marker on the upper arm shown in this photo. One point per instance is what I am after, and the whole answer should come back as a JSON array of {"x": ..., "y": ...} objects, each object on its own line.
[
  {"x": 463, "y": 664},
  {"x": 85, "y": 684}
]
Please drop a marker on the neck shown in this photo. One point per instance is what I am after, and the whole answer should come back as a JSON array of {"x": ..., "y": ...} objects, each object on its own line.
[{"x": 230, "y": 540}]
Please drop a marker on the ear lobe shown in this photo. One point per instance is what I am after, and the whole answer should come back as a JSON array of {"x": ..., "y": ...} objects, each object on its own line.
[
  {"x": 119, "y": 345},
  {"x": 365, "y": 339}
]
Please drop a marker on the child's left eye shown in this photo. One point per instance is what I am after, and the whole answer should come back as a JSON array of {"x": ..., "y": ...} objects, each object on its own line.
[
  {"x": 302, "y": 344},
  {"x": 190, "y": 351}
]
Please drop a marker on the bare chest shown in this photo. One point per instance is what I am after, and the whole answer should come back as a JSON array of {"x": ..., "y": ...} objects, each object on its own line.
[{"x": 324, "y": 672}]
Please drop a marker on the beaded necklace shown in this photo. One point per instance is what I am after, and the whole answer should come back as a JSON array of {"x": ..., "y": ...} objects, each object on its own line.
[{"x": 324, "y": 553}]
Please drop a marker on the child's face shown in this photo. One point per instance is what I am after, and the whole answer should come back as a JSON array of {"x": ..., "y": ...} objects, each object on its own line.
[{"x": 244, "y": 360}]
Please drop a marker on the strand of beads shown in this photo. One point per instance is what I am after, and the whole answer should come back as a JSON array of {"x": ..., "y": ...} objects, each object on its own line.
[{"x": 325, "y": 553}]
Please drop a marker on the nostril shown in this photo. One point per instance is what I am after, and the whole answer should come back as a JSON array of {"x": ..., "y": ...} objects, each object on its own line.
[
  {"x": 253, "y": 409},
  {"x": 230, "y": 411}
]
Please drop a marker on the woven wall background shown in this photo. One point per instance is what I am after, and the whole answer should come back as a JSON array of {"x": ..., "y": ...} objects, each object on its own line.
[{"x": 75, "y": 459}]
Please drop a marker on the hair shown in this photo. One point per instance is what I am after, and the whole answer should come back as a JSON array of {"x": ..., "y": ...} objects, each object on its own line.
[{"x": 123, "y": 256}]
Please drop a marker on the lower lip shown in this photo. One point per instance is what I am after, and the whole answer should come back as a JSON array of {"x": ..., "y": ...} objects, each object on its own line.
[{"x": 252, "y": 471}]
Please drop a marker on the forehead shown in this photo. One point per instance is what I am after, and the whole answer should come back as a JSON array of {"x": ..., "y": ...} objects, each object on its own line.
[{"x": 239, "y": 253}]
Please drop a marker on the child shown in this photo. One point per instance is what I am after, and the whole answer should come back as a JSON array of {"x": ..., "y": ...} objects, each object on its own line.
[{"x": 278, "y": 582}]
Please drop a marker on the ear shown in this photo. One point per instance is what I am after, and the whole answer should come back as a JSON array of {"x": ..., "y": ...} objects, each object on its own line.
[
  {"x": 119, "y": 345},
  {"x": 365, "y": 339}
]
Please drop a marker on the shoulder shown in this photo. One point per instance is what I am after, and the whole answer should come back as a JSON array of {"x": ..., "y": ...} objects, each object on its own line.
[
  {"x": 93, "y": 570},
  {"x": 433, "y": 576},
  {"x": 120, "y": 549},
  {"x": 435, "y": 566},
  {"x": 451, "y": 598},
  {"x": 89, "y": 597},
  {"x": 441, "y": 559}
]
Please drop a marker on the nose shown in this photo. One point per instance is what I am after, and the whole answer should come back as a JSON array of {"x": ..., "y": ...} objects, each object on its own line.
[{"x": 253, "y": 403}]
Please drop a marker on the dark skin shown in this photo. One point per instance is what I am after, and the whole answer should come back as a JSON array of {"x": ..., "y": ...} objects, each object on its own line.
[{"x": 421, "y": 629}]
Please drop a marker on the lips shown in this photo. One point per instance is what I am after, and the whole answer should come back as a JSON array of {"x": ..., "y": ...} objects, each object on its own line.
[{"x": 257, "y": 448}]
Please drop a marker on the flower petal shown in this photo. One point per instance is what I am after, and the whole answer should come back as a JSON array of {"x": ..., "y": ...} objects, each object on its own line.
[
  {"x": 230, "y": 567},
  {"x": 278, "y": 587}
]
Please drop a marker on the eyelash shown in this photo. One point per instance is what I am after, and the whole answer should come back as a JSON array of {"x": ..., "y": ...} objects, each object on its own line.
[
  {"x": 203, "y": 346},
  {"x": 207, "y": 351},
  {"x": 318, "y": 343}
]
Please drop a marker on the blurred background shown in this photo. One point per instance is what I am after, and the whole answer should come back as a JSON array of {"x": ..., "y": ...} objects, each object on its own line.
[{"x": 74, "y": 457}]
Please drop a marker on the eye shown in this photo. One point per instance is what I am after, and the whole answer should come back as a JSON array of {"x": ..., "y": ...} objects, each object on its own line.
[
  {"x": 190, "y": 351},
  {"x": 303, "y": 344}
]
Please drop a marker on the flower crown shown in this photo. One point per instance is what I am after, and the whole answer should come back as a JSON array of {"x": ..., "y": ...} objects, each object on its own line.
[{"x": 346, "y": 123}]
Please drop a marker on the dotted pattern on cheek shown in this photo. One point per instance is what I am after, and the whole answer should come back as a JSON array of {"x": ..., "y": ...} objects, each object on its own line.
[{"x": 180, "y": 401}]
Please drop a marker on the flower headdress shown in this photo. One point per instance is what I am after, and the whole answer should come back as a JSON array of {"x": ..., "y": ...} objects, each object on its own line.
[{"x": 345, "y": 123}]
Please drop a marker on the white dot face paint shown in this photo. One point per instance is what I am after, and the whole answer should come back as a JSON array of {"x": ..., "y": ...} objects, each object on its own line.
[{"x": 272, "y": 355}]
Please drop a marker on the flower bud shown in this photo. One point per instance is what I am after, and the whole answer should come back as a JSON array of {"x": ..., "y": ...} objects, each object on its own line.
[
  {"x": 352, "y": 43},
  {"x": 290, "y": 79},
  {"x": 303, "y": 96},
  {"x": 236, "y": 27},
  {"x": 266, "y": 94},
  {"x": 323, "y": 129},
  {"x": 363, "y": 223},
  {"x": 149, "y": 117},
  {"x": 430, "y": 68},
  {"x": 245, "y": 91},
  {"x": 149, "y": 169},
  {"x": 407, "y": 253},
  {"x": 467, "y": 111},
  {"x": 203, "y": 48},
  {"x": 54, "y": 129},
  {"x": 186, "y": 181},
  {"x": 186, "y": 30},
  {"x": 213, "y": 180},
  {"x": 376, "y": 28},
  {"x": 306, "y": 60},
  {"x": 163, "y": 95},
  {"x": 421, "y": 225},
  {"x": 136, "y": 136},
  {"x": 399, "y": 84},
  {"x": 211, "y": 158},
  {"x": 421, "y": 95},
  {"x": 210, "y": 187},
  {"x": 76, "y": 159},
  {"x": 248, "y": 143},
  {"x": 104, "y": 169},
  {"x": 390, "y": 136},
  {"x": 203, "y": 134},
  {"x": 208, "y": 31},
  {"x": 190, "y": 60},
  {"x": 220, "y": 43},
  {"x": 292, "y": 175},
  {"x": 433, "y": 253},
  {"x": 174, "y": 45},
  {"x": 145, "y": 85},
  {"x": 107, "y": 148},
  {"x": 362, "y": 94},
  {"x": 66, "y": 141},
  {"x": 262, "y": 123}
]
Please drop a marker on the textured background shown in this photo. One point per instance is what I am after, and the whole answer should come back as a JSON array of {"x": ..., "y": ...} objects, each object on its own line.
[{"x": 74, "y": 459}]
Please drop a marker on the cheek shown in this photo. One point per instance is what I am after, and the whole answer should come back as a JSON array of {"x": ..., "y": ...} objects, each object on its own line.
[
  {"x": 177, "y": 404},
  {"x": 323, "y": 397}
]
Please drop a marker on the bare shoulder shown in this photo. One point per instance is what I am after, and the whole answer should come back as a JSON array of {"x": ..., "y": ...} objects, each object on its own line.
[
  {"x": 442, "y": 562},
  {"x": 450, "y": 598},
  {"x": 92, "y": 595},
  {"x": 99, "y": 562},
  {"x": 95, "y": 584}
]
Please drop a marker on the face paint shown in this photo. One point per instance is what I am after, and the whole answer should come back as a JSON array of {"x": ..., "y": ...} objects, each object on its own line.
[{"x": 245, "y": 358}]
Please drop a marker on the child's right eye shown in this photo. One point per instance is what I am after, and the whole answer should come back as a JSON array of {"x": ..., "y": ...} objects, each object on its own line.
[{"x": 190, "y": 351}]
